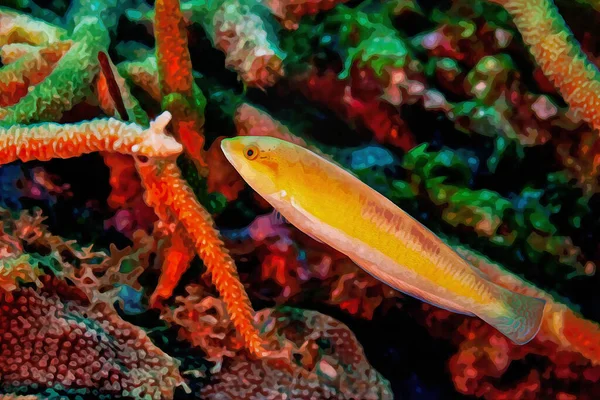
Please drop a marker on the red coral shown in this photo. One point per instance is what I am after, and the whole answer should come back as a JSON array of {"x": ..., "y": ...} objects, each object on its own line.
[
  {"x": 358, "y": 107},
  {"x": 176, "y": 80},
  {"x": 176, "y": 258},
  {"x": 222, "y": 177},
  {"x": 127, "y": 196}
]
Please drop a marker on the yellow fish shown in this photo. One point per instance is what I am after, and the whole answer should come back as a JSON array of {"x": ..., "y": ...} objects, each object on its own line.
[{"x": 333, "y": 206}]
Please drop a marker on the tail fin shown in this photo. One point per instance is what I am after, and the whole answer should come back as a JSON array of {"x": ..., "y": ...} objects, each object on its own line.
[{"x": 517, "y": 316}]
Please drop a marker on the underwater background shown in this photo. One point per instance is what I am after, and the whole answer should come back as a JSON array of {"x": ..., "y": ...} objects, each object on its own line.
[{"x": 134, "y": 274}]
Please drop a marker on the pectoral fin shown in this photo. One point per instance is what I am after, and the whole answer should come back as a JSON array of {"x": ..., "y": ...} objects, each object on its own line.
[{"x": 278, "y": 219}]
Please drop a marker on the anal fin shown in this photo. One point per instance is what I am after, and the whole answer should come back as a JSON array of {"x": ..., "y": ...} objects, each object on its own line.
[{"x": 424, "y": 292}]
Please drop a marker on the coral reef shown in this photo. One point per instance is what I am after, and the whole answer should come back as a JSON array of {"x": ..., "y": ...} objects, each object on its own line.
[
  {"x": 52, "y": 340},
  {"x": 46, "y": 141},
  {"x": 133, "y": 256},
  {"x": 337, "y": 359}
]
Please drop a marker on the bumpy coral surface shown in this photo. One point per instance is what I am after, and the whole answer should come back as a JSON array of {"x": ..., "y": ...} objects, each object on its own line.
[
  {"x": 152, "y": 270},
  {"x": 339, "y": 368},
  {"x": 53, "y": 339}
]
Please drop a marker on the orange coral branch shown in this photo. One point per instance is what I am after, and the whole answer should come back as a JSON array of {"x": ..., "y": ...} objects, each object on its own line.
[
  {"x": 558, "y": 54},
  {"x": 9, "y": 53},
  {"x": 176, "y": 79},
  {"x": 174, "y": 63},
  {"x": 177, "y": 259},
  {"x": 51, "y": 140},
  {"x": 172, "y": 198},
  {"x": 16, "y": 27},
  {"x": 180, "y": 252},
  {"x": 29, "y": 70},
  {"x": 167, "y": 189}
]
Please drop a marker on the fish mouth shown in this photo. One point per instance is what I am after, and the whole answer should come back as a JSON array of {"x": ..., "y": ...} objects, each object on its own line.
[
  {"x": 233, "y": 149},
  {"x": 227, "y": 146}
]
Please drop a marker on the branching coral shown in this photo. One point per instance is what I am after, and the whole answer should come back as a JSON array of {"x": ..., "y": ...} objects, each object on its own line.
[
  {"x": 18, "y": 27},
  {"x": 181, "y": 96},
  {"x": 239, "y": 28},
  {"x": 166, "y": 187},
  {"x": 376, "y": 68},
  {"x": 45, "y": 141},
  {"x": 29, "y": 70},
  {"x": 172, "y": 199},
  {"x": 558, "y": 54},
  {"x": 174, "y": 202},
  {"x": 68, "y": 83}
]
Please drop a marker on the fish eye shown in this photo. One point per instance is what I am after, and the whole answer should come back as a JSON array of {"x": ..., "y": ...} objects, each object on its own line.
[{"x": 251, "y": 152}]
